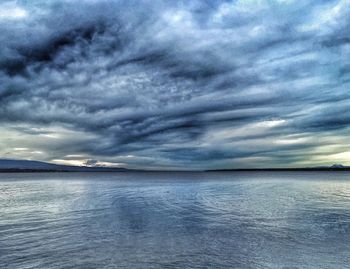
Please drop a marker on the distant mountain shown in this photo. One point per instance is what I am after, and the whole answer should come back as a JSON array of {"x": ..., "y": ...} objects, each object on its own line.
[
  {"x": 7, "y": 165},
  {"x": 338, "y": 166},
  {"x": 334, "y": 167}
]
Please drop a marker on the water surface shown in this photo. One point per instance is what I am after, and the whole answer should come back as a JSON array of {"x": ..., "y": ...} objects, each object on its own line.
[{"x": 175, "y": 220}]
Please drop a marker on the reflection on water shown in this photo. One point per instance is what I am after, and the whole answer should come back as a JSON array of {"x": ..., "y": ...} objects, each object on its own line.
[{"x": 176, "y": 220}]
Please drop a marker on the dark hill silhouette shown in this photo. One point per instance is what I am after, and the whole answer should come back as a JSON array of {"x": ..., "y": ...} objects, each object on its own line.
[{"x": 8, "y": 165}]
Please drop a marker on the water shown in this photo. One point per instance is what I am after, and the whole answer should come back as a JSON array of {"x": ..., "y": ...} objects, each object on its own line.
[{"x": 175, "y": 220}]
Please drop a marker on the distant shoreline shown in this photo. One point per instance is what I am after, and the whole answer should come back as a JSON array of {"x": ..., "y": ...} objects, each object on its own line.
[
  {"x": 325, "y": 169},
  {"x": 11, "y": 170},
  {"x": 280, "y": 170},
  {"x": 30, "y": 166}
]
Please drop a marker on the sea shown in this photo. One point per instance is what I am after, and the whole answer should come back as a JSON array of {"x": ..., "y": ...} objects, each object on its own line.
[{"x": 175, "y": 220}]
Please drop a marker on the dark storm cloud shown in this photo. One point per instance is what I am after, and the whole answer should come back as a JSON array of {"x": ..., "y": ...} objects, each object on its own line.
[{"x": 170, "y": 83}]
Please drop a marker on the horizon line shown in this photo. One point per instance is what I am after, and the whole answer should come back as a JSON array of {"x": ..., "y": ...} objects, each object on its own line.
[{"x": 332, "y": 167}]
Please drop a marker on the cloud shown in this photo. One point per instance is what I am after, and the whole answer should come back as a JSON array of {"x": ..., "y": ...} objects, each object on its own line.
[
  {"x": 10, "y": 11},
  {"x": 174, "y": 84}
]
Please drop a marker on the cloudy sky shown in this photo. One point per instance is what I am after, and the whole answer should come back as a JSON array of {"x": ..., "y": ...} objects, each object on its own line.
[{"x": 192, "y": 84}]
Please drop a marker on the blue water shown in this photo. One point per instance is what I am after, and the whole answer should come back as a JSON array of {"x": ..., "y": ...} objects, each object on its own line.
[{"x": 175, "y": 220}]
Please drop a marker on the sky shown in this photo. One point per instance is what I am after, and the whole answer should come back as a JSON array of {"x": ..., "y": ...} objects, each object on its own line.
[{"x": 176, "y": 85}]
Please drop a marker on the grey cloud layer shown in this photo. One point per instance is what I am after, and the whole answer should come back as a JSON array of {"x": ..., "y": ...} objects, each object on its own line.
[{"x": 205, "y": 83}]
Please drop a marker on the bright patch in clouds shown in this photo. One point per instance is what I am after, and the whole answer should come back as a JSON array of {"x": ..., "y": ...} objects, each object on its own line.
[{"x": 12, "y": 12}]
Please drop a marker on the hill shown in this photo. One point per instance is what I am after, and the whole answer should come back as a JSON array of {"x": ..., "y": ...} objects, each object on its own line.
[{"x": 8, "y": 165}]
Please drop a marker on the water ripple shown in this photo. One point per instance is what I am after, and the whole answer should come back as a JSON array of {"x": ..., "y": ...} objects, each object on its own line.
[{"x": 185, "y": 220}]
